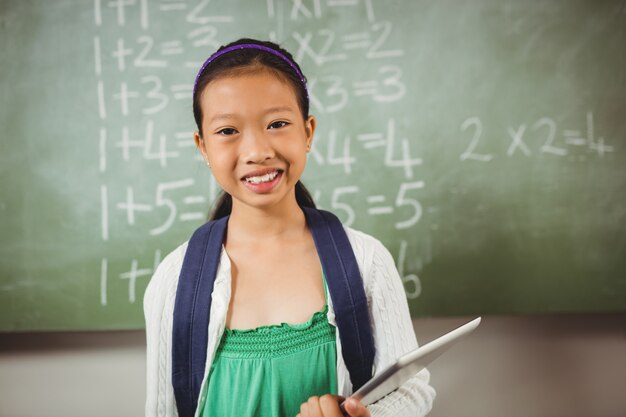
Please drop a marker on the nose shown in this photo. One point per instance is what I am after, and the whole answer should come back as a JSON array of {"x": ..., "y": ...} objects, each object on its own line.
[{"x": 256, "y": 147}]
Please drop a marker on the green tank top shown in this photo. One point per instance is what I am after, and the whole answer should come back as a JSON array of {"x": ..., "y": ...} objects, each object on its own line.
[{"x": 272, "y": 370}]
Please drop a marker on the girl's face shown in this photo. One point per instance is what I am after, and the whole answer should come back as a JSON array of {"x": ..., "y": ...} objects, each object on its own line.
[{"x": 254, "y": 138}]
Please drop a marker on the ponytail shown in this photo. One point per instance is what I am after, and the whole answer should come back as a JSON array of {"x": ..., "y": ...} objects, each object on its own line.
[
  {"x": 224, "y": 202},
  {"x": 223, "y": 206}
]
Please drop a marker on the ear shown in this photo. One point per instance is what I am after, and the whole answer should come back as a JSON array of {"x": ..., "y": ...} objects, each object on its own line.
[
  {"x": 309, "y": 129},
  {"x": 200, "y": 145}
]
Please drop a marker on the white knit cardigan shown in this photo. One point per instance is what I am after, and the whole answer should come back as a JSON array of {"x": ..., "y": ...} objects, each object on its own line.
[{"x": 392, "y": 330}]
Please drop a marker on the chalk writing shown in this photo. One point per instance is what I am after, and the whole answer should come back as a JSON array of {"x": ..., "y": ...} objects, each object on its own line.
[
  {"x": 541, "y": 138},
  {"x": 412, "y": 283},
  {"x": 345, "y": 201},
  {"x": 144, "y": 74}
]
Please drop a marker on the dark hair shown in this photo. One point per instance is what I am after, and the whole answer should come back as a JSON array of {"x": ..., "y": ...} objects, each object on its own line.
[
  {"x": 239, "y": 61},
  {"x": 247, "y": 59}
]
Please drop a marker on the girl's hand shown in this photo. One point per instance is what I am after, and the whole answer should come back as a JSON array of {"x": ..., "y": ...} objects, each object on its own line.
[{"x": 328, "y": 406}]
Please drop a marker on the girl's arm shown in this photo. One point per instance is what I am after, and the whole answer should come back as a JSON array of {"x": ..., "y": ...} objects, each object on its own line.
[
  {"x": 158, "y": 305},
  {"x": 394, "y": 336}
]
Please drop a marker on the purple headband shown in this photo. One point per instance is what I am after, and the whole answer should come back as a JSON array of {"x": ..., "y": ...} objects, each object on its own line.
[{"x": 250, "y": 46}]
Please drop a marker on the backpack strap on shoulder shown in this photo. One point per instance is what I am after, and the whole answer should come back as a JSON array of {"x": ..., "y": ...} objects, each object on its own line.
[
  {"x": 193, "y": 304},
  {"x": 191, "y": 313},
  {"x": 347, "y": 292}
]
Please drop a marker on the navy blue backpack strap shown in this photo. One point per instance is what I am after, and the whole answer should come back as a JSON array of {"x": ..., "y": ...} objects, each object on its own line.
[
  {"x": 193, "y": 304},
  {"x": 191, "y": 313},
  {"x": 347, "y": 293}
]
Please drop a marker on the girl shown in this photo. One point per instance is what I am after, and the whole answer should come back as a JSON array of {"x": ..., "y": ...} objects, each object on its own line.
[{"x": 273, "y": 347}]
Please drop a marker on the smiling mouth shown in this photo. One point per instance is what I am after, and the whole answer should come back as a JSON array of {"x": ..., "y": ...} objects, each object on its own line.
[{"x": 260, "y": 179}]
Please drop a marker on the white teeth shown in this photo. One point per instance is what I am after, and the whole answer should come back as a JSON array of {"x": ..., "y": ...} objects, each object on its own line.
[{"x": 262, "y": 178}]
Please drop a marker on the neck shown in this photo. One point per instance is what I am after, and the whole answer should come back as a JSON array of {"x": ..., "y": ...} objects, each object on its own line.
[{"x": 248, "y": 222}]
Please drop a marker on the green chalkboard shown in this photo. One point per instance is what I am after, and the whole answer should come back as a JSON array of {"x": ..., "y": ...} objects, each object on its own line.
[{"x": 483, "y": 142}]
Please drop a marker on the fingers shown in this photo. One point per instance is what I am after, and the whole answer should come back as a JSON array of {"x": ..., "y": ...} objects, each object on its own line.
[
  {"x": 354, "y": 408},
  {"x": 311, "y": 408},
  {"x": 324, "y": 406},
  {"x": 330, "y": 406},
  {"x": 314, "y": 408}
]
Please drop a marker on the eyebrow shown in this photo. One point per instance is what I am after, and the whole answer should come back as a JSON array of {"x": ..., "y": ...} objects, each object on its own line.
[
  {"x": 278, "y": 109},
  {"x": 222, "y": 116},
  {"x": 230, "y": 116}
]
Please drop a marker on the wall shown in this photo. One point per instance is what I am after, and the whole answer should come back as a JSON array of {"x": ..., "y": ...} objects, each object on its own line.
[
  {"x": 548, "y": 366},
  {"x": 482, "y": 143}
]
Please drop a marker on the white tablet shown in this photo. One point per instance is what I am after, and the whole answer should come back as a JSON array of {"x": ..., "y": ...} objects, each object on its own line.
[{"x": 409, "y": 364}]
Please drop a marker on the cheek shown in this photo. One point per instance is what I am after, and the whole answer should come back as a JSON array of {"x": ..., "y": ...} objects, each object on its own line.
[
  {"x": 218, "y": 153},
  {"x": 296, "y": 147},
  {"x": 223, "y": 165},
  {"x": 297, "y": 154}
]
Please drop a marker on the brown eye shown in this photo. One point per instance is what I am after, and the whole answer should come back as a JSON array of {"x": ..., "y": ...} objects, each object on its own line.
[
  {"x": 278, "y": 124},
  {"x": 226, "y": 131}
]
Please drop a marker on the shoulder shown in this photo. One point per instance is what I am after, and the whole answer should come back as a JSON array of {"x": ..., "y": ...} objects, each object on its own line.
[
  {"x": 170, "y": 266},
  {"x": 366, "y": 247},
  {"x": 174, "y": 260},
  {"x": 163, "y": 283},
  {"x": 373, "y": 258},
  {"x": 362, "y": 243}
]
